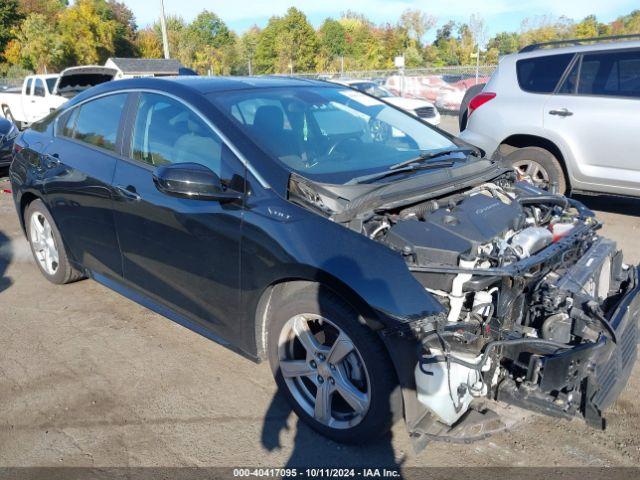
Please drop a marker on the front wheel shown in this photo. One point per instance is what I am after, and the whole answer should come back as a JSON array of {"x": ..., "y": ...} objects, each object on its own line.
[{"x": 334, "y": 371}]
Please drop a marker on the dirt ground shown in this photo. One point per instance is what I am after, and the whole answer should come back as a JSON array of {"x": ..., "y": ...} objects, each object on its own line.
[{"x": 89, "y": 378}]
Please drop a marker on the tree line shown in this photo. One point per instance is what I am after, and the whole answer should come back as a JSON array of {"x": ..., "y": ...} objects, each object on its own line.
[{"x": 50, "y": 35}]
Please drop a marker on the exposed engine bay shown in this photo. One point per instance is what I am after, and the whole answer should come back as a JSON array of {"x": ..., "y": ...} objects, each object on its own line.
[{"x": 541, "y": 312}]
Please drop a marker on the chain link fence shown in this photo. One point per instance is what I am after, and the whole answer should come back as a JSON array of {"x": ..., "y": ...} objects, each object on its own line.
[{"x": 443, "y": 86}]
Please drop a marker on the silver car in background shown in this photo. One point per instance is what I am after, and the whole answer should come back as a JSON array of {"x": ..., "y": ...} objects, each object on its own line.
[{"x": 565, "y": 115}]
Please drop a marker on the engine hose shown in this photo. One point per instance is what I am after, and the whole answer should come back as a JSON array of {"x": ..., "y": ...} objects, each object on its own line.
[
  {"x": 546, "y": 199},
  {"x": 499, "y": 343}
]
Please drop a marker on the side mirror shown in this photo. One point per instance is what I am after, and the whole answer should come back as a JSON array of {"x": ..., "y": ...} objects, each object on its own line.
[{"x": 192, "y": 180}]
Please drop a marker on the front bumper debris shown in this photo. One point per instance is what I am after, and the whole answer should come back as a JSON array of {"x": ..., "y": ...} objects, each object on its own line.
[{"x": 594, "y": 374}]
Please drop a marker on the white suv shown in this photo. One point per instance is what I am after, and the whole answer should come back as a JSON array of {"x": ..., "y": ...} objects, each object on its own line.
[{"x": 568, "y": 115}]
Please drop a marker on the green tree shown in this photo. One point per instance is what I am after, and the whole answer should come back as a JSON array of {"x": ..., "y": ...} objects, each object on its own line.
[
  {"x": 287, "y": 43},
  {"x": 504, "y": 43},
  {"x": 297, "y": 43},
  {"x": 266, "y": 53},
  {"x": 148, "y": 44},
  {"x": 9, "y": 18},
  {"x": 333, "y": 44},
  {"x": 208, "y": 29},
  {"x": 248, "y": 46},
  {"x": 37, "y": 46},
  {"x": 125, "y": 39}
]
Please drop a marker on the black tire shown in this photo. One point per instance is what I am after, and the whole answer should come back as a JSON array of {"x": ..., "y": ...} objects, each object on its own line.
[
  {"x": 385, "y": 397},
  {"x": 463, "y": 115},
  {"x": 549, "y": 169},
  {"x": 64, "y": 273}
]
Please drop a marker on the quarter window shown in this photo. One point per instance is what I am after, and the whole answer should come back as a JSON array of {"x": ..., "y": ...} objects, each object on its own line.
[
  {"x": 542, "y": 74},
  {"x": 166, "y": 131},
  {"x": 611, "y": 74},
  {"x": 96, "y": 122}
]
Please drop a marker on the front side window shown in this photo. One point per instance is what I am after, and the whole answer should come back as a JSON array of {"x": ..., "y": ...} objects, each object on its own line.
[
  {"x": 167, "y": 131},
  {"x": 611, "y": 74},
  {"x": 28, "y": 87},
  {"x": 329, "y": 134},
  {"x": 96, "y": 122},
  {"x": 542, "y": 74},
  {"x": 38, "y": 89}
]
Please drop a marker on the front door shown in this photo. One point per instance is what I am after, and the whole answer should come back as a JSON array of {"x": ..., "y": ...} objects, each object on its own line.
[
  {"x": 38, "y": 106},
  {"x": 78, "y": 168},
  {"x": 183, "y": 253},
  {"x": 597, "y": 111}
]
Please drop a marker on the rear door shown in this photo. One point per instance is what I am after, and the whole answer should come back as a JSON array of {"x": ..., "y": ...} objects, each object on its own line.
[
  {"x": 80, "y": 164},
  {"x": 182, "y": 253},
  {"x": 596, "y": 110}
]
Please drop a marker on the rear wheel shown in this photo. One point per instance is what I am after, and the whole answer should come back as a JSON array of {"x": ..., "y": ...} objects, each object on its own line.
[
  {"x": 334, "y": 371},
  {"x": 46, "y": 245},
  {"x": 538, "y": 166}
]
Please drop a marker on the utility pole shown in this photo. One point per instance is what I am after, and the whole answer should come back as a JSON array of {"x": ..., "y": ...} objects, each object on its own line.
[{"x": 163, "y": 26}]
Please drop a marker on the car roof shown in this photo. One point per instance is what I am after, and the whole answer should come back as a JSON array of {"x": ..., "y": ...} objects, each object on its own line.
[
  {"x": 219, "y": 84},
  {"x": 544, "y": 51}
]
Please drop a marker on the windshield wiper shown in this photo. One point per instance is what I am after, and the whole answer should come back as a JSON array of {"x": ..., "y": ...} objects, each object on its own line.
[
  {"x": 431, "y": 155},
  {"x": 408, "y": 168}
]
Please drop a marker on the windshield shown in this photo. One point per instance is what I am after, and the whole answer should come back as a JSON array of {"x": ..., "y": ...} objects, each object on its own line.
[
  {"x": 372, "y": 89},
  {"x": 329, "y": 134}
]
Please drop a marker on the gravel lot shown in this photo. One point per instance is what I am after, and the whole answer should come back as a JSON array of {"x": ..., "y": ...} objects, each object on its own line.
[{"x": 89, "y": 378}]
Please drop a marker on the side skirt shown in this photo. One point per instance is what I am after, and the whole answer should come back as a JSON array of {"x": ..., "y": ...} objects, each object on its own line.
[{"x": 166, "y": 312}]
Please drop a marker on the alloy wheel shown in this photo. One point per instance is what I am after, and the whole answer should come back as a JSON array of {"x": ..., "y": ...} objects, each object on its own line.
[
  {"x": 324, "y": 371},
  {"x": 533, "y": 172},
  {"x": 43, "y": 243}
]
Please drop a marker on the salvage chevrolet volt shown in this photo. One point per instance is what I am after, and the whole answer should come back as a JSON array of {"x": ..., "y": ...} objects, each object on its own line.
[{"x": 381, "y": 266}]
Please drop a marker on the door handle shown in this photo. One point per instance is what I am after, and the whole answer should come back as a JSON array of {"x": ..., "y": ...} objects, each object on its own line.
[
  {"x": 562, "y": 112},
  {"x": 128, "y": 193}
]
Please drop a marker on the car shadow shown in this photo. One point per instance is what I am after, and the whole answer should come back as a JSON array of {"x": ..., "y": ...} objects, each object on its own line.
[
  {"x": 312, "y": 450},
  {"x": 611, "y": 203}
]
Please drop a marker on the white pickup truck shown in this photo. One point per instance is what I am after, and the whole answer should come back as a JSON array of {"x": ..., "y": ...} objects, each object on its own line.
[{"x": 41, "y": 94}]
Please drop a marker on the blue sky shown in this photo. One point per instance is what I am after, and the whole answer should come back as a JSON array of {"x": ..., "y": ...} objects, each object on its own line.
[{"x": 499, "y": 14}]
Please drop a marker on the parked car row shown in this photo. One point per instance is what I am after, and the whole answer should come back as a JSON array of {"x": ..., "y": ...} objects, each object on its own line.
[
  {"x": 420, "y": 108},
  {"x": 8, "y": 133},
  {"x": 445, "y": 92}
]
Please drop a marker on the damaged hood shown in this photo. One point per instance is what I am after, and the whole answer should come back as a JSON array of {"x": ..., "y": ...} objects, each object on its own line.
[{"x": 344, "y": 203}]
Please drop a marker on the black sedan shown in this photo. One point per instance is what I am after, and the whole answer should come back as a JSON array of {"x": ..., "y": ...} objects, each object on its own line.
[
  {"x": 380, "y": 265},
  {"x": 8, "y": 133}
]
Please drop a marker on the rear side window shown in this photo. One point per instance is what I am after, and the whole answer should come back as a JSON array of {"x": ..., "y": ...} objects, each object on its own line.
[
  {"x": 611, "y": 74},
  {"x": 542, "y": 74},
  {"x": 96, "y": 122}
]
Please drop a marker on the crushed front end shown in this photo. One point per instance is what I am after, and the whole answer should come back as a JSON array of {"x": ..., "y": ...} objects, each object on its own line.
[{"x": 541, "y": 312}]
